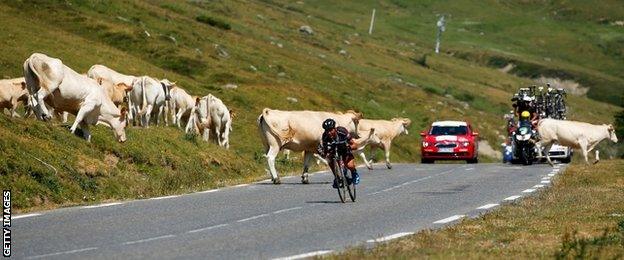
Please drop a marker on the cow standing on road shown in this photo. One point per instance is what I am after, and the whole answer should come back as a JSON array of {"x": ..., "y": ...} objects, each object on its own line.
[
  {"x": 386, "y": 131},
  {"x": 577, "y": 135},
  {"x": 299, "y": 131}
]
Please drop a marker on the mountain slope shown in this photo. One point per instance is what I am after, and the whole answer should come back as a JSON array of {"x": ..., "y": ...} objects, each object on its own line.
[{"x": 390, "y": 73}]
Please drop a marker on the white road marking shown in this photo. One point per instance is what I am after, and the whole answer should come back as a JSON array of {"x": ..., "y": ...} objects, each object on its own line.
[
  {"x": 286, "y": 210},
  {"x": 147, "y": 240},
  {"x": 62, "y": 253},
  {"x": 306, "y": 255},
  {"x": 528, "y": 190},
  {"x": 538, "y": 186},
  {"x": 165, "y": 197},
  {"x": 512, "y": 198},
  {"x": 469, "y": 169},
  {"x": 25, "y": 215},
  {"x": 551, "y": 174},
  {"x": 102, "y": 205},
  {"x": 240, "y": 185},
  {"x": 207, "y": 228},
  {"x": 251, "y": 218},
  {"x": 449, "y": 219},
  {"x": 488, "y": 206},
  {"x": 208, "y": 191},
  {"x": 546, "y": 178},
  {"x": 545, "y": 182},
  {"x": 390, "y": 237}
]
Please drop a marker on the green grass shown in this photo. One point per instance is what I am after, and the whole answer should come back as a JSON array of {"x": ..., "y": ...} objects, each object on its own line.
[
  {"x": 392, "y": 73},
  {"x": 580, "y": 217}
]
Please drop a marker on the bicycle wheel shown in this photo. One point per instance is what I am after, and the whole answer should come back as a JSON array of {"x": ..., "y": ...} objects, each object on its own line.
[
  {"x": 342, "y": 182},
  {"x": 351, "y": 185}
]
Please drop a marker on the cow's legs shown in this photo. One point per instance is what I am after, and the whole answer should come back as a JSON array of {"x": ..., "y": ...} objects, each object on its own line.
[
  {"x": 217, "y": 130},
  {"x": 271, "y": 154},
  {"x": 386, "y": 147},
  {"x": 363, "y": 156},
  {"x": 226, "y": 134},
  {"x": 206, "y": 134},
  {"x": 85, "y": 131},
  {"x": 307, "y": 156},
  {"x": 371, "y": 153},
  {"x": 64, "y": 117},
  {"x": 546, "y": 149},
  {"x": 177, "y": 119},
  {"x": 41, "y": 108},
  {"x": 13, "y": 107},
  {"x": 584, "y": 150},
  {"x": 86, "y": 108},
  {"x": 147, "y": 116},
  {"x": 597, "y": 157}
]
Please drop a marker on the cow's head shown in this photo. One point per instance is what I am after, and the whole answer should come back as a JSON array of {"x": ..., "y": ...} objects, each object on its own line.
[
  {"x": 37, "y": 105},
  {"x": 612, "y": 133},
  {"x": 119, "y": 125},
  {"x": 167, "y": 85},
  {"x": 404, "y": 124}
]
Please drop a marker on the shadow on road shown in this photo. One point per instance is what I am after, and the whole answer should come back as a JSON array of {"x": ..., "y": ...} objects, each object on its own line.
[
  {"x": 296, "y": 183},
  {"x": 324, "y": 201}
]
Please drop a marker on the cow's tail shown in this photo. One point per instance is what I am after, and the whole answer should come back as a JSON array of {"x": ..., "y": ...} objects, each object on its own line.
[
  {"x": 31, "y": 77},
  {"x": 144, "y": 95},
  {"x": 263, "y": 137}
]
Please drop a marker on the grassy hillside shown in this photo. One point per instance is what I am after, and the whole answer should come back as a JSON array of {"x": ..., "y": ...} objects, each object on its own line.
[{"x": 256, "y": 44}]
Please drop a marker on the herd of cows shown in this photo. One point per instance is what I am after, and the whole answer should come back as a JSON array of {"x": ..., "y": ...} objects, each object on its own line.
[{"x": 51, "y": 88}]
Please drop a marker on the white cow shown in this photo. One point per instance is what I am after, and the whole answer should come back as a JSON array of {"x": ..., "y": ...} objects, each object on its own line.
[
  {"x": 150, "y": 97},
  {"x": 577, "y": 135},
  {"x": 181, "y": 104},
  {"x": 71, "y": 92},
  {"x": 213, "y": 115},
  {"x": 13, "y": 92},
  {"x": 386, "y": 131},
  {"x": 298, "y": 131},
  {"x": 122, "y": 81}
]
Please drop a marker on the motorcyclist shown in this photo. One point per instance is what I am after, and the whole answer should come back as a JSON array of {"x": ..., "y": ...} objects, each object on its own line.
[{"x": 338, "y": 134}]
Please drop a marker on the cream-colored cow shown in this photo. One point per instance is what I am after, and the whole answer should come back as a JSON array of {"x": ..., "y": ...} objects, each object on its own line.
[
  {"x": 69, "y": 91},
  {"x": 298, "y": 131},
  {"x": 577, "y": 135},
  {"x": 13, "y": 92},
  {"x": 386, "y": 131}
]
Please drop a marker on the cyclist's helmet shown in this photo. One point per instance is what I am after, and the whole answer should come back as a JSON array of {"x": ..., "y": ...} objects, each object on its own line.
[{"x": 329, "y": 124}]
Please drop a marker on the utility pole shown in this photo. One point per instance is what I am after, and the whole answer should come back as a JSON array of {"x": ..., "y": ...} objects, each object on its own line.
[
  {"x": 441, "y": 28},
  {"x": 370, "y": 29}
]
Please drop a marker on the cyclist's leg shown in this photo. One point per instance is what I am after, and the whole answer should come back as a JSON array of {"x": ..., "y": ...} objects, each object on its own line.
[
  {"x": 330, "y": 162},
  {"x": 350, "y": 164}
]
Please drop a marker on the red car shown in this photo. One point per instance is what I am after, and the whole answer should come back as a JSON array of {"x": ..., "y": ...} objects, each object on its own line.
[{"x": 449, "y": 140}]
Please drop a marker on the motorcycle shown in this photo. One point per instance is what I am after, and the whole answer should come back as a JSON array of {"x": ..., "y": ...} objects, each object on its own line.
[{"x": 524, "y": 145}]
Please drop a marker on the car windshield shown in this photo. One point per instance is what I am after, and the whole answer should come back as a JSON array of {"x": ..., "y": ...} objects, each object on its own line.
[{"x": 449, "y": 130}]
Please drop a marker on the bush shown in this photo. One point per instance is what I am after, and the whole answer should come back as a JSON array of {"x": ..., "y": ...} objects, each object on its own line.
[{"x": 213, "y": 22}]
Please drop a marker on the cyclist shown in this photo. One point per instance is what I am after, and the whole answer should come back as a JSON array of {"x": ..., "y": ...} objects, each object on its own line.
[{"x": 338, "y": 134}]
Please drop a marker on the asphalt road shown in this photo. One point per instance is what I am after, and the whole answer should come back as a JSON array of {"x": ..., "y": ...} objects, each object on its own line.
[{"x": 264, "y": 221}]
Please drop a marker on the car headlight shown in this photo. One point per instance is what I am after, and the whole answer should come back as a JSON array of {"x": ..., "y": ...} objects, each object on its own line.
[
  {"x": 425, "y": 144},
  {"x": 465, "y": 144}
]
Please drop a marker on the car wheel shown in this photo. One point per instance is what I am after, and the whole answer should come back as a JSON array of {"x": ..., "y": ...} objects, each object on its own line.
[{"x": 473, "y": 160}]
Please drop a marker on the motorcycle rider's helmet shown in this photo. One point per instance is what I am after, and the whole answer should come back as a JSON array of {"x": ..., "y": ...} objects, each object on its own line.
[
  {"x": 525, "y": 114},
  {"x": 329, "y": 124}
]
